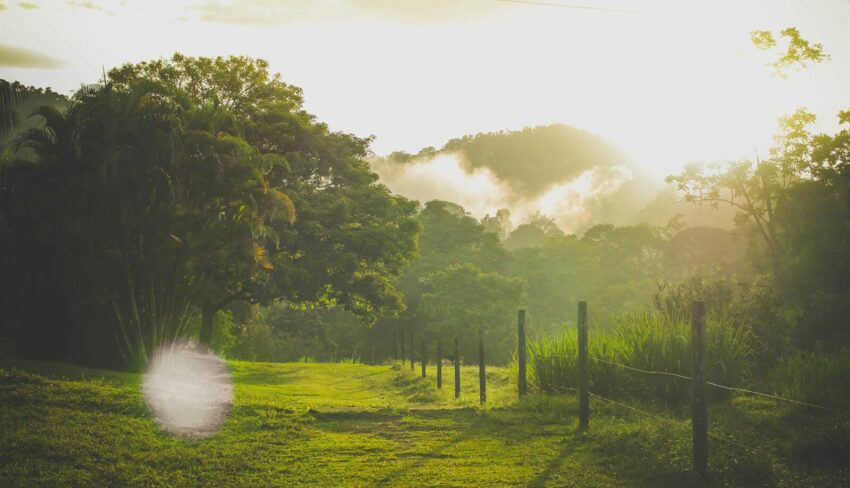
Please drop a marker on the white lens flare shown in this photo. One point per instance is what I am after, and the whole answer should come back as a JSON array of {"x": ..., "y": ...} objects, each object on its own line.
[{"x": 188, "y": 390}]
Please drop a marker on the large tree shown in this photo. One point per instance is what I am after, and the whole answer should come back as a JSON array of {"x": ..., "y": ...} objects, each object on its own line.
[
  {"x": 193, "y": 182},
  {"x": 756, "y": 188}
]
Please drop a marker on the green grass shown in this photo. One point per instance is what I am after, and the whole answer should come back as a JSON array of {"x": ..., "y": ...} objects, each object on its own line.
[
  {"x": 355, "y": 425},
  {"x": 646, "y": 342}
]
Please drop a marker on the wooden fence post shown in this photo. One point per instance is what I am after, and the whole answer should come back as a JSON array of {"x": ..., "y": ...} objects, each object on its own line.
[
  {"x": 457, "y": 370},
  {"x": 699, "y": 420},
  {"x": 523, "y": 385},
  {"x": 482, "y": 374},
  {"x": 439, "y": 364},
  {"x": 424, "y": 356},
  {"x": 583, "y": 393},
  {"x": 411, "y": 350}
]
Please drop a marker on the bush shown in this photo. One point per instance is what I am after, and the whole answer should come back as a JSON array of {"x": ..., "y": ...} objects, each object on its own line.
[
  {"x": 646, "y": 342},
  {"x": 820, "y": 377}
]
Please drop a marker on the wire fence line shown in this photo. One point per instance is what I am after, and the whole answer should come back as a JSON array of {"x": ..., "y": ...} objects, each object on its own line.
[
  {"x": 658, "y": 417},
  {"x": 600, "y": 360},
  {"x": 738, "y": 444},
  {"x": 789, "y": 400},
  {"x": 688, "y": 378},
  {"x": 624, "y": 405}
]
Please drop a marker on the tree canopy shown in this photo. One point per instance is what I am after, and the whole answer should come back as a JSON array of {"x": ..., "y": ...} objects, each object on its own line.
[{"x": 189, "y": 183}]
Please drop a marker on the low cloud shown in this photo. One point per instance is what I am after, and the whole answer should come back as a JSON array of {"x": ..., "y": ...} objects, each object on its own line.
[
  {"x": 571, "y": 202},
  {"x": 18, "y": 57}
]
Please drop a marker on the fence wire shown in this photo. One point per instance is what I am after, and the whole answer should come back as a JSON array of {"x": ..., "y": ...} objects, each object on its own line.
[
  {"x": 663, "y": 419},
  {"x": 715, "y": 385}
]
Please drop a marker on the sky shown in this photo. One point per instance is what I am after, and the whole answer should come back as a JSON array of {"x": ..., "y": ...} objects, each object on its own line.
[{"x": 668, "y": 81}]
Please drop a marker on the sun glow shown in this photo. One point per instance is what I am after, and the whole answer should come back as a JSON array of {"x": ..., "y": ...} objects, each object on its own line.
[{"x": 678, "y": 83}]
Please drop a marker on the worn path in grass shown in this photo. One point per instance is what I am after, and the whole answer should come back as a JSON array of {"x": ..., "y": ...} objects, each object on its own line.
[{"x": 356, "y": 425}]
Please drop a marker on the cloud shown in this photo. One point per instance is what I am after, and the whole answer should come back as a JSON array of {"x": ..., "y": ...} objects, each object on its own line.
[
  {"x": 87, "y": 4},
  {"x": 571, "y": 202},
  {"x": 27, "y": 5},
  {"x": 444, "y": 178},
  {"x": 17, "y": 57},
  {"x": 276, "y": 12},
  {"x": 255, "y": 12}
]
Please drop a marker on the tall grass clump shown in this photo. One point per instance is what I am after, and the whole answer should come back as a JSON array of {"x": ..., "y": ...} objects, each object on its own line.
[
  {"x": 553, "y": 364},
  {"x": 648, "y": 342},
  {"x": 820, "y": 377}
]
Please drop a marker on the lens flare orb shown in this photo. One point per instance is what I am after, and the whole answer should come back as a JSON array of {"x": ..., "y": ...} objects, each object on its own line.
[{"x": 188, "y": 390}]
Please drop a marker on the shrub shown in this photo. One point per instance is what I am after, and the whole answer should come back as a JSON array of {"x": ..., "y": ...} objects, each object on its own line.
[
  {"x": 820, "y": 377},
  {"x": 647, "y": 342}
]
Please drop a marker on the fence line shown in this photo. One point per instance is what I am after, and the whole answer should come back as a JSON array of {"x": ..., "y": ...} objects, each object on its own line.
[
  {"x": 645, "y": 371},
  {"x": 560, "y": 387},
  {"x": 600, "y": 397},
  {"x": 716, "y": 385},
  {"x": 710, "y": 434},
  {"x": 743, "y": 446},
  {"x": 775, "y": 397}
]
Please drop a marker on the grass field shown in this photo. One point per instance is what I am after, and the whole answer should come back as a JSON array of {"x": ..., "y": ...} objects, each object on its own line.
[{"x": 356, "y": 425}]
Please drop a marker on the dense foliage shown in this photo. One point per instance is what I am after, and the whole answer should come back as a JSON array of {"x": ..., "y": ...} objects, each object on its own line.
[{"x": 181, "y": 186}]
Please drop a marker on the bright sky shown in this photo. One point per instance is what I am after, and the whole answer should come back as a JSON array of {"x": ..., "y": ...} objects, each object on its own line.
[{"x": 677, "y": 82}]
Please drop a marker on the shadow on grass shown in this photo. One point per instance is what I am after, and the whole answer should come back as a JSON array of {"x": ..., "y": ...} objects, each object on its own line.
[
  {"x": 555, "y": 463},
  {"x": 277, "y": 377},
  {"x": 420, "y": 459}
]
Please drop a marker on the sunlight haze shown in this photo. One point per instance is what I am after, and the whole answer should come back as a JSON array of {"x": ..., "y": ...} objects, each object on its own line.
[{"x": 676, "y": 82}]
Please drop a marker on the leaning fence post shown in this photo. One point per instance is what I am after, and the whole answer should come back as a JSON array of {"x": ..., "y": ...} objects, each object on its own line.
[
  {"x": 439, "y": 364},
  {"x": 482, "y": 376},
  {"x": 457, "y": 370},
  {"x": 699, "y": 420},
  {"x": 424, "y": 356},
  {"x": 411, "y": 350},
  {"x": 583, "y": 393},
  {"x": 523, "y": 386}
]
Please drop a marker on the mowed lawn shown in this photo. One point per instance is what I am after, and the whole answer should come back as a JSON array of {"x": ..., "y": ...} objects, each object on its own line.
[{"x": 357, "y": 425}]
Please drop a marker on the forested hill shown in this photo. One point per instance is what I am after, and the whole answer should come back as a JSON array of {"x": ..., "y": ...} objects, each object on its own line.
[
  {"x": 576, "y": 177},
  {"x": 532, "y": 159}
]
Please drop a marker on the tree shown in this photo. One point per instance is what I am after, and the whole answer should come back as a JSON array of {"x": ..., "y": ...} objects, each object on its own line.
[
  {"x": 814, "y": 220},
  {"x": 798, "y": 51},
  {"x": 462, "y": 299},
  {"x": 533, "y": 233},
  {"x": 500, "y": 224},
  {"x": 352, "y": 236},
  {"x": 756, "y": 189},
  {"x": 184, "y": 177},
  {"x": 8, "y": 97}
]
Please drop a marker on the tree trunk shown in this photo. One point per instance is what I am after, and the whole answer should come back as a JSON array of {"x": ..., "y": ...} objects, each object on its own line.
[{"x": 207, "y": 314}]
